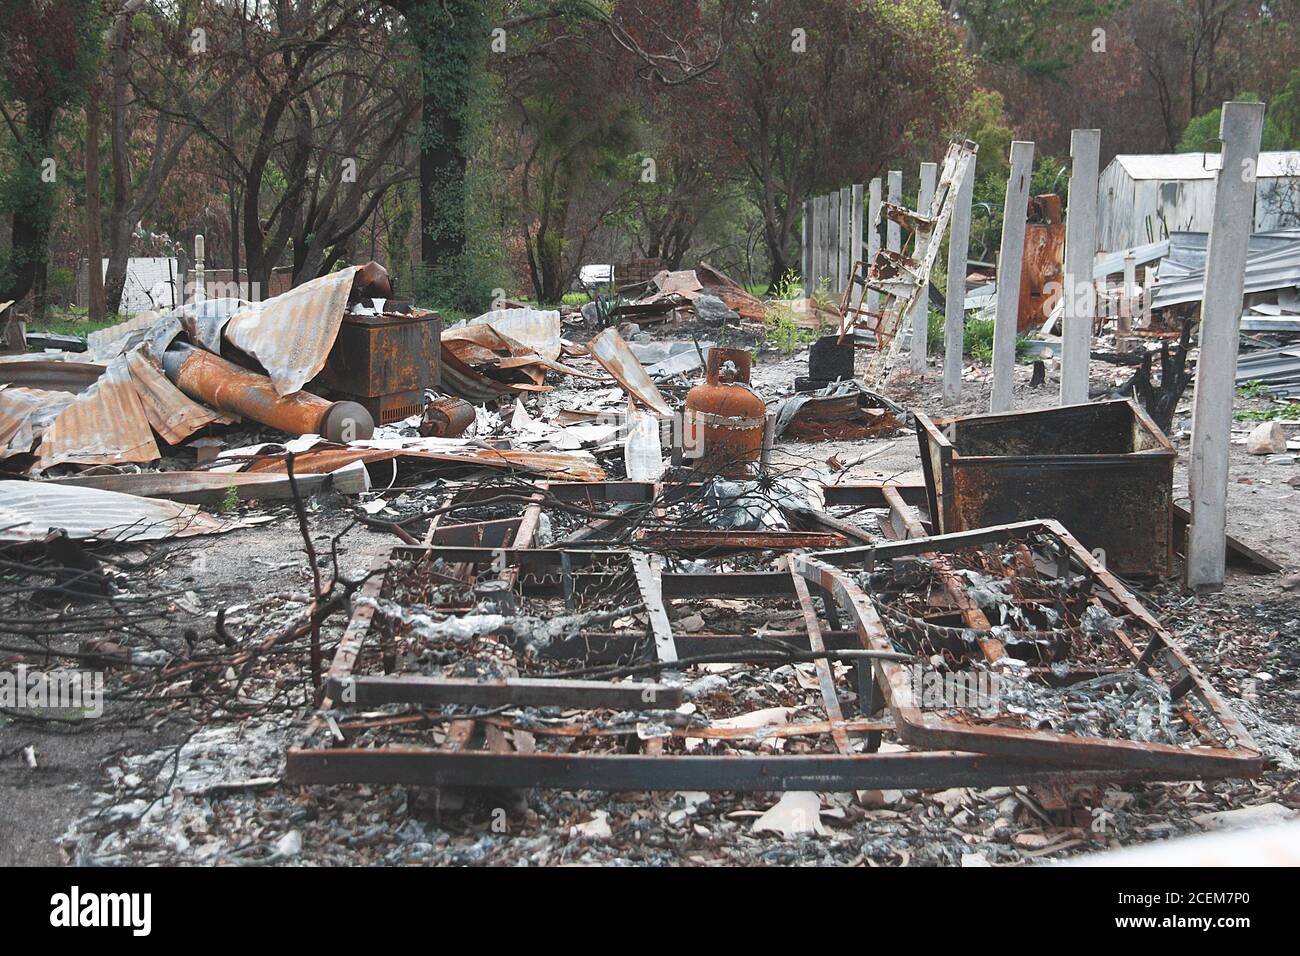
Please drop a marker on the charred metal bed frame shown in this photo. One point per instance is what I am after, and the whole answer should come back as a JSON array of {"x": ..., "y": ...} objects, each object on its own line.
[
  {"x": 927, "y": 730},
  {"x": 948, "y": 754}
]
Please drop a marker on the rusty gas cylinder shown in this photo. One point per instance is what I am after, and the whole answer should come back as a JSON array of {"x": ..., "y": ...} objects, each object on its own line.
[{"x": 722, "y": 427}]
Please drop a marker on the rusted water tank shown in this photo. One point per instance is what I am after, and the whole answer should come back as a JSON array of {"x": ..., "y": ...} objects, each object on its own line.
[{"x": 722, "y": 427}]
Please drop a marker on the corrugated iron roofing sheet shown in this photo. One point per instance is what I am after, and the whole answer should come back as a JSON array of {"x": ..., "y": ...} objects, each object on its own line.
[
  {"x": 25, "y": 413},
  {"x": 291, "y": 335},
  {"x": 106, "y": 424},
  {"x": 609, "y": 349},
  {"x": 105, "y": 344},
  {"x": 1173, "y": 166},
  {"x": 54, "y": 371},
  {"x": 29, "y": 510},
  {"x": 173, "y": 414},
  {"x": 536, "y": 328}
]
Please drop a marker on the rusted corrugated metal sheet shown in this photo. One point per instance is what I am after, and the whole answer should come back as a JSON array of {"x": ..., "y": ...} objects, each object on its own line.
[
  {"x": 483, "y": 345},
  {"x": 204, "y": 321},
  {"x": 609, "y": 349},
  {"x": 538, "y": 329},
  {"x": 106, "y": 424},
  {"x": 30, "y": 509},
  {"x": 459, "y": 379},
  {"x": 172, "y": 413},
  {"x": 24, "y": 415},
  {"x": 555, "y": 465},
  {"x": 291, "y": 335}
]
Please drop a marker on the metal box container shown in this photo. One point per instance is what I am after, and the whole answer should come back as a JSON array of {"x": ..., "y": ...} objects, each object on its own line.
[
  {"x": 1104, "y": 470},
  {"x": 385, "y": 362}
]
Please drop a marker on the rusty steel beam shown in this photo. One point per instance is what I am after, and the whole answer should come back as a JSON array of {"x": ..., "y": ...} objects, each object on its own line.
[
  {"x": 825, "y": 671},
  {"x": 705, "y": 540},
  {"x": 515, "y": 691},
  {"x": 827, "y": 772}
]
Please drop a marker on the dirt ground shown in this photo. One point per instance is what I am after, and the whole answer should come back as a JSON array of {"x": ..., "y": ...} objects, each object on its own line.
[{"x": 165, "y": 790}]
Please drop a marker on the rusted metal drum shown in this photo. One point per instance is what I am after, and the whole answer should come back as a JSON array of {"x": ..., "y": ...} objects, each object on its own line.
[
  {"x": 722, "y": 427},
  {"x": 446, "y": 417}
]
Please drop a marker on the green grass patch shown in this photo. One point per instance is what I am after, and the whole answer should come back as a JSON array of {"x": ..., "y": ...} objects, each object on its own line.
[
  {"x": 934, "y": 333},
  {"x": 1289, "y": 411},
  {"x": 978, "y": 342},
  {"x": 72, "y": 321}
]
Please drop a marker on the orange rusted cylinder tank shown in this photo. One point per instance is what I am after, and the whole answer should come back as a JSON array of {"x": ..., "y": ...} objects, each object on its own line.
[
  {"x": 229, "y": 388},
  {"x": 722, "y": 427}
]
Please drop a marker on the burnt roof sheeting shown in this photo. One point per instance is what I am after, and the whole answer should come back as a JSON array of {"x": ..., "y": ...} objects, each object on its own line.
[
  {"x": 1272, "y": 263},
  {"x": 538, "y": 329},
  {"x": 29, "y": 510},
  {"x": 1271, "y": 365},
  {"x": 291, "y": 335},
  {"x": 109, "y": 343},
  {"x": 459, "y": 379},
  {"x": 617, "y": 358},
  {"x": 105, "y": 425},
  {"x": 1186, "y": 253},
  {"x": 25, "y": 413},
  {"x": 204, "y": 321},
  {"x": 172, "y": 413}
]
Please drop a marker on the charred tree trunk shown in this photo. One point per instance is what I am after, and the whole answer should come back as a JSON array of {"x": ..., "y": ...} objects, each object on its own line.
[
  {"x": 94, "y": 255},
  {"x": 30, "y": 223},
  {"x": 1161, "y": 400},
  {"x": 119, "y": 215}
]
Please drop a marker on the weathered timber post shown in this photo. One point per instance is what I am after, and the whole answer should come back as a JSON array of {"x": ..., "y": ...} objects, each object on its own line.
[
  {"x": 1010, "y": 257},
  {"x": 806, "y": 246},
  {"x": 833, "y": 241},
  {"x": 846, "y": 229},
  {"x": 873, "y": 237},
  {"x": 1079, "y": 297},
  {"x": 921, "y": 307},
  {"x": 954, "y": 319},
  {"x": 1216, "y": 370},
  {"x": 893, "y": 237}
]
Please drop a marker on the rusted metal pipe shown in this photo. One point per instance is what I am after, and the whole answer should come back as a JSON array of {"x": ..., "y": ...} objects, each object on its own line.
[{"x": 225, "y": 386}]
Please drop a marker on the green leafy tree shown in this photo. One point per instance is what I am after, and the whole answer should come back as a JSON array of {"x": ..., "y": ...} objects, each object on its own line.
[
  {"x": 814, "y": 95},
  {"x": 50, "y": 49},
  {"x": 1281, "y": 123},
  {"x": 1043, "y": 38}
]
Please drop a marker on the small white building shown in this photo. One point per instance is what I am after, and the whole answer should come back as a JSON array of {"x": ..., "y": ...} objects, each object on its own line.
[
  {"x": 152, "y": 284},
  {"x": 1144, "y": 198}
]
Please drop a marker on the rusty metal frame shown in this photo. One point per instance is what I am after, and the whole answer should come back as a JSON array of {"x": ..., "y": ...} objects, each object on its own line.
[
  {"x": 807, "y": 578},
  {"x": 928, "y": 730}
]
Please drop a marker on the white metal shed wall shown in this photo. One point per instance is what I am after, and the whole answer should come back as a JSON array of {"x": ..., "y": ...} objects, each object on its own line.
[{"x": 1146, "y": 207}]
